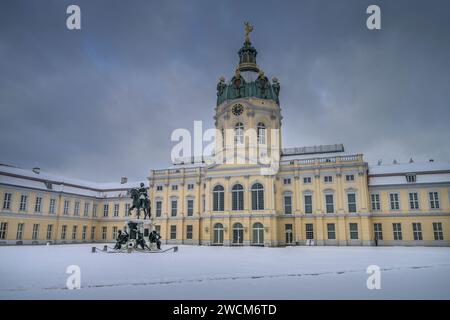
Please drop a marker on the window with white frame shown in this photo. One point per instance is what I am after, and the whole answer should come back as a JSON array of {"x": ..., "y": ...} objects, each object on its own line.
[
  {"x": 23, "y": 203},
  {"x": 66, "y": 207},
  {"x": 257, "y": 196},
  {"x": 306, "y": 180},
  {"x": 3, "y": 230},
  {"x": 328, "y": 179},
  {"x": 287, "y": 181},
  {"x": 417, "y": 230},
  {"x": 349, "y": 177},
  {"x": 173, "y": 232},
  {"x": 74, "y": 232},
  {"x": 158, "y": 208},
  {"x": 434, "y": 200},
  {"x": 353, "y": 231},
  {"x": 7, "y": 201},
  {"x": 49, "y": 234},
  {"x": 83, "y": 233},
  {"x": 174, "y": 207},
  {"x": 261, "y": 133},
  {"x": 289, "y": 235},
  {"x": 239, "y": 133},
  {"x": 237, "y": 197},
  {"x": 94, "y": 210},
  {"x": 38, "y": 205},
  {"x": 114, "y": 232},
  {"x": 63, "y": 232},
  {"x": 218, "y": 198},
  {"x": 413, "y": 201},
  {"x": 309, "y": 227},
  {"x": 329, "y": 203},
  {"x": 116, "y": 210},
  {"x": 394, "y": 201},
  {"x": 351, "y": 201},
  {"x": 52, "y": 206},
  {"x": 437, "y": 230},
  {"x": 375, "y": 201},
  {"x": 331, "y": 230},
  {"x": 92, "y": 233},
  {"x": 86, "y": 209},
  {"x": 76, "y": 209},
  {"x": 287, "y": 203},
  {"x": 35, "y": 233},
  {"x": 378, "y": 231},
  {"x": 174, "y": 187},
  {"x": 308, "y": 203},
  {"x": 126, "y": 209},
  {"x": 105, "y": 210},
  {"x": 104, "y": 233},
  {"x": 411, "y": 178},
  {"x": 189, "y": 231},
  {"x": 190, "y": 207},
  {"x": 397, "y": 230},
  {"x": 159, "y": 188},
  {"x": 20, "y": 228},
  {"x": 190, "y": 186}
]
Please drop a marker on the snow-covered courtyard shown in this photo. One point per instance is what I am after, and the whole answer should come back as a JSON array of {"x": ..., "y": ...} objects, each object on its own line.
[{"x": 201, "y": 272}]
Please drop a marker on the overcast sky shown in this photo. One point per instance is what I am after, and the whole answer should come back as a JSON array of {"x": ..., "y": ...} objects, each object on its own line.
[{"x": 102, "y": 102}]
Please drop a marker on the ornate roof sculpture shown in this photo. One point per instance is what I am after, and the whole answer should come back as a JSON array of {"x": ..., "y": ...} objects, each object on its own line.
[{"x": 249, "y": 80}]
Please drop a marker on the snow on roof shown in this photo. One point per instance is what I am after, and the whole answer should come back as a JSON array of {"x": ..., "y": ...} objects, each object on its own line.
[
  {"x": 28, "y": 178},
  {"x": 414, "y": 167}
]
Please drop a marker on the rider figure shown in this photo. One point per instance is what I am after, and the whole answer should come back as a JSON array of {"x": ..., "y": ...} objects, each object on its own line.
[{"x": 143, "y": 195}]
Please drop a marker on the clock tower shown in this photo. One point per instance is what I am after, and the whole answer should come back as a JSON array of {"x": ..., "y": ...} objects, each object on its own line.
[{"x": 247, "y": 115}]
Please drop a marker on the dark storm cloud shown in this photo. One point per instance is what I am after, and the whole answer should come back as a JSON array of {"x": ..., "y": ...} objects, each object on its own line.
[{"x": 102, "y": 102}]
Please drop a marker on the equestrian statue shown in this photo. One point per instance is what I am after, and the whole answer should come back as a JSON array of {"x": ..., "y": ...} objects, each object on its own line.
[{"x": 141, "y": 201}]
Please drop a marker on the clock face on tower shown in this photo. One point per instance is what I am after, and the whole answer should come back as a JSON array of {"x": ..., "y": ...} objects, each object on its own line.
[{"x": 238, "y": 109}]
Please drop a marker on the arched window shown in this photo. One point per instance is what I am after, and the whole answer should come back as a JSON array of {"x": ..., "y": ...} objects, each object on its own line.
[
  {"x": 238, "y": 233},
  {"x": 218, "y": 234},
  {"x": 258, "y": 233},
  {"x": 257, "y": 196},
  {"x": 218, "y": 198},
  {"x": 261, "y": 133},
  {"x": 237, "y": 197},
  {"x": 239, "y": 133}
]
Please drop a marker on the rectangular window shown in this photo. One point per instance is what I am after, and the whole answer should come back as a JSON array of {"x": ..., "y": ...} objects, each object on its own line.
[
  {"x": 378, "y": 231},
  {"x": 397, "y": 229},
  {"x": 66, "y": 207},
  {"x": 190, "y": 186},
  {"x": 3, "y": 230},
  {"x": 74, "y": 232},
  {"x": 413, "y": 200},
  {"x": 76, "y": 209},
  {"x": 86, "y": 209},
  {"x": 411, "y": 178},
  {"x": 417, "y": 231},
  {"x": 434, "y": 200},
  {"x": 114, "y": 232},
  {"x": 307, "y": 180},
  {"x": 174, "y": 187},
  {"x": 83, "y": 233},
  {"x": 23, "y": 203},
  {"x": 116, "y": 210},
  {"x": 287, "y": 181},
  {"x": 351, "y": 200},
  {"x": 189, "y": 229},
  {"x": 104, "y": 233},
  {"x": 331, "y": 229},
  {"x": 158, "y": 208},
  {"x": 349, "y": 177},
  {"x": 49, "y": 234},
  {"x": 63, "y": 232},
  {"x": 127, "y": 208},
  {"x": 38, "y": 204},
  {"x": 375, "y": 200},
  {"x": 94, "y": 210},
  {"x": 174, "y": 205},
  {"x": 20, "y": 228},
  {"x": 159, "y": 188},
  {"x": 437, "y": 229},
  {"x": 35, "y": 234},
  {"x": 288, "y": 204},
  {"x": 92, "y": 233},
  {"x": 190, "y": 207},
  {"x": 353, "y": 231},
  {"x": 395, "y": 204},
  {"x": 288, "y": 233},
  {"x": 158, "y": 229},
  {"x": 173, "y": 232},
  {"x": 309, "y": 231},
  {"x": 328, "y": 179},
  {"x": 105, "y": 210},
  {"x": 308, "y": 204},
  {"x": 329, "y": 203},
  {"x": 7, "y": 201},
  {"x": 51, "y": 208}
]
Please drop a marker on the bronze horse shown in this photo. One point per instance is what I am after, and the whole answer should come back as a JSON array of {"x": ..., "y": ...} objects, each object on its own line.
[{"x": 139, "y": 204}]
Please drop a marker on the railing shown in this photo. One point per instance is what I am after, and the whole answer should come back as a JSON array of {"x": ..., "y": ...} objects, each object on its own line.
[{"x": 311, "y": 161}]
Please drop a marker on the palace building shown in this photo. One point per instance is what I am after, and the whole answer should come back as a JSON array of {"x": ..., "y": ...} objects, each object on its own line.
[{"x": 251, "y": 191}]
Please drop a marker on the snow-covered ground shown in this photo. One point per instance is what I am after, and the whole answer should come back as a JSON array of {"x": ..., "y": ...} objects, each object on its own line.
[{"x": 197, "y": 272}]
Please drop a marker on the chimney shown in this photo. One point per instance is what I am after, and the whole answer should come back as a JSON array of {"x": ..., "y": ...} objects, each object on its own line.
[
  {"x": 36, "y": 170},
  {"x": 123, "y": 180}
]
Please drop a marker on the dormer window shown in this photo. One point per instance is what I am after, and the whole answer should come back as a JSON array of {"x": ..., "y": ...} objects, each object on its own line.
[{"x": 411, "y": 177}]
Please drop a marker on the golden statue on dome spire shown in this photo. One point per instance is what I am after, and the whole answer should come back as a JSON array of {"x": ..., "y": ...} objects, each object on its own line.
[{"x": 248, "y": 29}]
